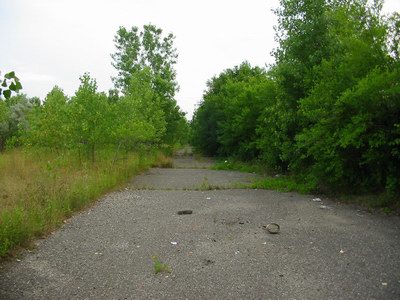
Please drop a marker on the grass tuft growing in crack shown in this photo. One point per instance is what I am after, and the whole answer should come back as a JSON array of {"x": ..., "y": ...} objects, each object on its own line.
[{"x": 160, "y": 267}]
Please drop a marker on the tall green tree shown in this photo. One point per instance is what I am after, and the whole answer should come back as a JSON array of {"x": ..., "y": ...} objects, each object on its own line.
[
  {"x": 150, "y": 49},
  {"x": 139, "y": 117},
  {"x": 89, "y": 117},
  {"x": 146, "y": 49},
  {"x": 49, "y": 125}
]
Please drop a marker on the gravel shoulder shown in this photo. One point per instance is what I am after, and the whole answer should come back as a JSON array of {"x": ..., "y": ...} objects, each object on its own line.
[{"x": 222, "y": 251}]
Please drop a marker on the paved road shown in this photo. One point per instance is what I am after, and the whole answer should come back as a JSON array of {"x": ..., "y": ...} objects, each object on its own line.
[{"x": 221, "y": 251}]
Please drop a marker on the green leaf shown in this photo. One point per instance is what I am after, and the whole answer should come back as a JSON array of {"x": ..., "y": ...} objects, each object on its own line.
[
  {"x": 10, "y": 75},
  {"x": 18, "y": 86},
  {"x": 4, "y": 83},
  {"x": 13, "y": 87},
  {"x": 7, "y": 94}
]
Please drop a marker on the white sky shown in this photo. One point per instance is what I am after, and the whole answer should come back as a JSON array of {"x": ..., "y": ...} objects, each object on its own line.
[{"x": 53, "y": 42}]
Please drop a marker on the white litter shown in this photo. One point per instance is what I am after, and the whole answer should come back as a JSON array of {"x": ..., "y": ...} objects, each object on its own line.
[
  {"x": 174, "y": 243},
  {"x": 384, "y": 283},
  {"x": 208, "y": 198},
  {"x": 317, "y": 200},
  {"x": 264, "y": 243},
  {"x": 324, "y": 207},
  {"x": 341, "y": 251}
]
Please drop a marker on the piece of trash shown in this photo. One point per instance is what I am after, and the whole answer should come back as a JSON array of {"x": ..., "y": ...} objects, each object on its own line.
[
  {"x": 208, "y": 198},
  {"x": 384, "y": 283},
  {"x": 237, "y": 252},
  {"x": 264, "y": 243},
  {"x": 317, "y": 200},
  {"x": 18, "y": 260},
  {"x": 174, "y": 243},
  {"x": 324, "y": 207},
  {"x": 138, "y": 246},
  {"x": 208, "y": 262},
  {"x": 272, "y": 228},
  {"x": 341, "y": 251},
  {"x": 241, "y": 222},
  {"x": 98, "y": 253},
  {"x": 185, "y": 212}
]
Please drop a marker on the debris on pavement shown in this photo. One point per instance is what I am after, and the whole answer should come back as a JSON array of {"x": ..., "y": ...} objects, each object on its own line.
[
  {"x": 272, "y": 228},
  {"x": 317, "y": 200},
  {"x": 324, "y": 207},
  {"x": 174, "y": 243},
  {"x": 208, "y": 262},
  {"x": 185, "y": 212}
]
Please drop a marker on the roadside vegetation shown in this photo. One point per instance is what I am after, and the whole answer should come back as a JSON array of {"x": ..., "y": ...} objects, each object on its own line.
[
  {"x": 58, "y": 154},
  {"x": 326, "y": 114}
]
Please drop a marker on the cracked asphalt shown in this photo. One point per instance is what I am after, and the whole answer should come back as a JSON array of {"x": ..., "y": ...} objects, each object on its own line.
[{"x": 325, "y": 250}]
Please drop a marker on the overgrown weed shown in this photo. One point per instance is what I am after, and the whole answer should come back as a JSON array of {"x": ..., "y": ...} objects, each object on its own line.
[{"x": 38, "y": 190}]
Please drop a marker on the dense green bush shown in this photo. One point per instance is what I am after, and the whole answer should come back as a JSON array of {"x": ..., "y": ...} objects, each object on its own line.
[{"x": 328, "y": 110}]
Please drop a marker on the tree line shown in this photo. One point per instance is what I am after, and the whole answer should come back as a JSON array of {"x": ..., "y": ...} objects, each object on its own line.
[
  {"x": 139, "y": 111},
  {"x": 327, "y": 111}
]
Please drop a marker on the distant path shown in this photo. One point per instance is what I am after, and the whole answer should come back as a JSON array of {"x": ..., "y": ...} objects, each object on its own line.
[{"x": 221, "y": 251}]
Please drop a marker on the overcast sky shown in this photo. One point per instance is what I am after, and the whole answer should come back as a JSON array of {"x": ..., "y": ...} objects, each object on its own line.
[{"x": 53, "y": 42}]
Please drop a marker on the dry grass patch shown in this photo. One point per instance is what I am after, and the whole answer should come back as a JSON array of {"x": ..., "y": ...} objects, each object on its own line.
[{"x": 38, "y": 190}]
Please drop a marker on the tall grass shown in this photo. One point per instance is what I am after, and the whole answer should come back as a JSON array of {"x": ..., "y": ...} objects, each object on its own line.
[{"x": 38, "y": 189}]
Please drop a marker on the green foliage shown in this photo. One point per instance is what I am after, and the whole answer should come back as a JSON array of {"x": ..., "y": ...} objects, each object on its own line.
[
  {"x": 49, "y": 126},
  {"x": 89, "y": 117},
  {"x": 141, "y": 119},
  {"x": 10, "y": 83},
  {"x": 160, "y": 267},
  {"x": 14, "y": 119},
  {"x": 150, "y": 52},
  {"x": 327, "y": 112},
  {"x": 246, "y": 167},
  {"x": 283, "y": 184},
  {"x": 224, "y": 123}
]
